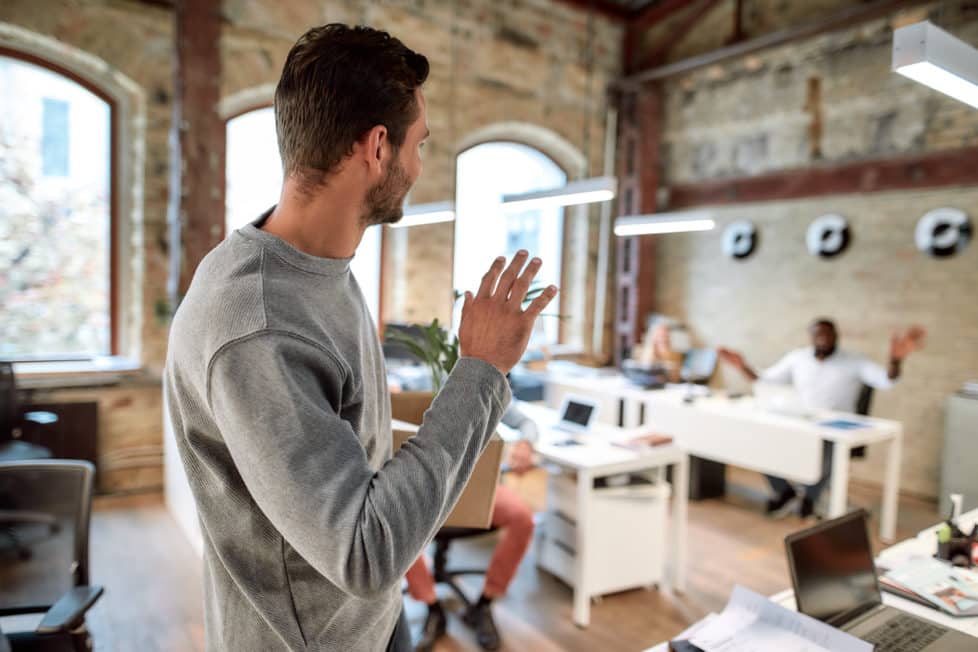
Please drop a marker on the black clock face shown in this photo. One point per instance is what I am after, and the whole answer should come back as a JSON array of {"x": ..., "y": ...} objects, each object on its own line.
[
  {"x": 740, "y": 239},
  {"x": 827, "y": 236},
  {"x": 943, "y": 232}
]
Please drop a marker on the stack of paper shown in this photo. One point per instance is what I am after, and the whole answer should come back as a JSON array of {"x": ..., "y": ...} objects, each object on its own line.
[{"x": 752, "y": 623}]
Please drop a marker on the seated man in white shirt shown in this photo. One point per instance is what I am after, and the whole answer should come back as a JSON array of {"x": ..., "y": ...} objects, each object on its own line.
[{"x": 826, "y": 378}]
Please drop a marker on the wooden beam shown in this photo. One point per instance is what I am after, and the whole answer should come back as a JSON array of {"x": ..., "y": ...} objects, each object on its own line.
[
  {"x": 603, "y": 7},
  {"x": 677, "y": 33},
  {"x": 841, "y": 19},
  {"x": 196, "y": 211},
  {"x": 737, "y": 33},
  {"x": 918, "y": 172},
  {"x": 657, "y": 13}
]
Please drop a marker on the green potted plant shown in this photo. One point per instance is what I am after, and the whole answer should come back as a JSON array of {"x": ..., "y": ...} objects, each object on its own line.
[{"x": 438, "y": 350}]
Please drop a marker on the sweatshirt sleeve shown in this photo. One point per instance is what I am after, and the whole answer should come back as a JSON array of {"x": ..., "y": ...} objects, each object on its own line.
[{"x": 277, "y": 400}]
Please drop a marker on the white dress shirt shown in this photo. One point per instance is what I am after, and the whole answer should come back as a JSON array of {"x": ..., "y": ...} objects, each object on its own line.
[{"x": 830, "y": 384}]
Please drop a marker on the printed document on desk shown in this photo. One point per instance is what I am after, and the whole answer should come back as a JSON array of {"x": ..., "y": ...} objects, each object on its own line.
[{"x": 752, "y": 623}]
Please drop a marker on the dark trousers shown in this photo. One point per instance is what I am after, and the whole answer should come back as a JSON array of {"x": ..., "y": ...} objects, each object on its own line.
[
  {"x": 812, "y": 491},
  {"x": 401, "y": 638}
]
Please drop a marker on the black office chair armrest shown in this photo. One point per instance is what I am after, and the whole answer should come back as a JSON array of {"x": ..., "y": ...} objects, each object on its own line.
[{"x": 68, "y": 612}]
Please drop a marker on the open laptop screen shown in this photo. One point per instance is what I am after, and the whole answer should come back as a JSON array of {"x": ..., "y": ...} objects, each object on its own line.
[
  {"x": 577, "y": 413},
  {"x": 832, "y": 569}
]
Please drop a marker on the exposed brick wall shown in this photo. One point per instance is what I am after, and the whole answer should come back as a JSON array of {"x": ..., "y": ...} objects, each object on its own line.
[
  {"x": 518, "y": 61},
  {"x": 752, "y": 115},
  {"x": 748, "y": 117}
]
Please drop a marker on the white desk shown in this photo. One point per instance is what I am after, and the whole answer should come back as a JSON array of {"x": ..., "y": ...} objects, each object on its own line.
[
  {"x": 599, "y": 457},
  {"x": 737, "y": 432},
  {"x": 924, "y": 543}
]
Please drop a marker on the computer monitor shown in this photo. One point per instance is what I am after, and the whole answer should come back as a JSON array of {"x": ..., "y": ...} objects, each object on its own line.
[{"x": 832, "y": 569}]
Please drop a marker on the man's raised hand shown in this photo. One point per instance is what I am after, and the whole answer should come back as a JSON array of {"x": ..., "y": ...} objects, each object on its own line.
[{"x": 495, "y": 328}]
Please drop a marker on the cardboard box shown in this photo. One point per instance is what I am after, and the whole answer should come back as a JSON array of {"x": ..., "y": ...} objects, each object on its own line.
[{"x": 474, "y": 506}]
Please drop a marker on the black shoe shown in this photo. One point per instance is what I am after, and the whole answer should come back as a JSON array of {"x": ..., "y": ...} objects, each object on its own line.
[
  {"x": 434, "y": 628},
  {"x": 479, "y": 617},
  {"x": 807, "y": 508},
  {"x": 780, "y": 506}
]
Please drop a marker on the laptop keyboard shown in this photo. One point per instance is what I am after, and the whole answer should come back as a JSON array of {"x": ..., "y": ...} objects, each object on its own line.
[{"x": 903, "y": 634}]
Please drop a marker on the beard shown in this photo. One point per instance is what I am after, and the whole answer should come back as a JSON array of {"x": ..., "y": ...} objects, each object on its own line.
[{"x": 384, "y": 203}]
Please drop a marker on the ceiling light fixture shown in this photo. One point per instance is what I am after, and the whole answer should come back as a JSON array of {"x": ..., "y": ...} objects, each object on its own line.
[
  {"x": 929, "y": 55},
  {"x": 657, "y": 223},
  {"x": 442, "y": 211},
  {"x": 582, "y": 191}
]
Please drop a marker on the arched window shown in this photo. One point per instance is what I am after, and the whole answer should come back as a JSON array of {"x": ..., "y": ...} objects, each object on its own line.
[
  {"x": 253, "y": 182},
  {"x": 56, "y": 206},
  {"x": 483, "y": 230}
]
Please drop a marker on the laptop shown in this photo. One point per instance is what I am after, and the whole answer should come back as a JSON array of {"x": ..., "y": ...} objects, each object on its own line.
[
  {"x": 576, "y": 414},
  {"x": 779, "y": 399},
  {"x": 834, "y": 578}
]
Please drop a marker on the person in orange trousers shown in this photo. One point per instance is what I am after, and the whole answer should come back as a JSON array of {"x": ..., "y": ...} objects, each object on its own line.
[{"x": 515, "y": 519}]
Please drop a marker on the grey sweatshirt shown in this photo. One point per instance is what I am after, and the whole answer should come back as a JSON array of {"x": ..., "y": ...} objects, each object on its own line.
[{"x": 278, "y": 399}]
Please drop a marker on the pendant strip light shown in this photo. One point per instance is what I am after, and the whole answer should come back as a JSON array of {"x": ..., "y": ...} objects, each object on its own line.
[
  {"x": 657, "y": 223},
  {"x": 582, "y": 191},
  {"x": 929, "y": 55},
  {"x": 442, "y": 211}
]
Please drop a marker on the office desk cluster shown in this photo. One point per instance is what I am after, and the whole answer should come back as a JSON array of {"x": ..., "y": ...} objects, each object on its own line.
[{"x": 736, "y": 431}]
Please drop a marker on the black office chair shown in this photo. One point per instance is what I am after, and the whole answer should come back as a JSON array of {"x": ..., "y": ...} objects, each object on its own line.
[
  {"x": 447, "y": 576},
  {"x": 54, "y": 581},
  {"x": 863, "y": 404},
  {"x": 13, "y": 421}
]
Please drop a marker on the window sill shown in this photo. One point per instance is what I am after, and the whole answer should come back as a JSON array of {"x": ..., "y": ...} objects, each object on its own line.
[{"x": 108, "y": 370}]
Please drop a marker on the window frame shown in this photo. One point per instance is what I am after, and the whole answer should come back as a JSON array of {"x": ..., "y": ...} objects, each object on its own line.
[
  {"x": 114, "y": 209},
  {"x": 561, "y": 326}
]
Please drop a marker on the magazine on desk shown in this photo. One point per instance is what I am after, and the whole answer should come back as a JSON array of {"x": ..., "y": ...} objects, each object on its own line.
[{"x": 951, "y": 589}]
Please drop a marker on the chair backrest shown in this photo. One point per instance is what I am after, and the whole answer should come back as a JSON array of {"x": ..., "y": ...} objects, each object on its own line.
[
  {"x": 45, "y": 508},
  {"x": 8, "y": 401},
  {"x": 865, "y": 400}
]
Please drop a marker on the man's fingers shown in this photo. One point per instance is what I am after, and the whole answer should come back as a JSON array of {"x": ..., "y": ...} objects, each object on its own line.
[
  {"x": 541, "y": 302},
  {"x": 489, "y": 278},
  {"x": 522, "y": 284},
  {"x": 509, "y": 276}
]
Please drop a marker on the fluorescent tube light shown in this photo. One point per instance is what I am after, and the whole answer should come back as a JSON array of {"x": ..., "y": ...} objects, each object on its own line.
[
  {"x": 583, "y": 191},
  {"x": 442, "y": 211},
  {"x": 656, "y": 223},
  {"x": 929, "y": 55}
]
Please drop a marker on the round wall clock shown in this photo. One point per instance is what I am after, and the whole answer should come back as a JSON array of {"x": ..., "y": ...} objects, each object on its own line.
[{"x": 827, "y": 236}]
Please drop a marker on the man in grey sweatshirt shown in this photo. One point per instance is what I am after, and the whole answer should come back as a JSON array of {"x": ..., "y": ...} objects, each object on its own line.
[{"x": 276, "y": 386}]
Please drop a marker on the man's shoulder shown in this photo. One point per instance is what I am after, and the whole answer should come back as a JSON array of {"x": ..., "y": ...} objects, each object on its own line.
[{"x": 224, "y": 301}]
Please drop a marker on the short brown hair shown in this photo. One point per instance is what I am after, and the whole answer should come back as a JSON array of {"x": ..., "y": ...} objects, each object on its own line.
[{"x": 339, "y": 82}]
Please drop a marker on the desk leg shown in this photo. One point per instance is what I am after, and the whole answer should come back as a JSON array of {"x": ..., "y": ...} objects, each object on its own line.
[
  {"x": 891, "y": 488},
  {"x": 582, "y": 592},
  {"x": 839, "y": 488},
  {"x": 680, "y": 499}
]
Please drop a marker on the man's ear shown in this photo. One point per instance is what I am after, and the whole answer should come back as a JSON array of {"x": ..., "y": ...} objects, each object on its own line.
[{"x": 376, "y": 148}]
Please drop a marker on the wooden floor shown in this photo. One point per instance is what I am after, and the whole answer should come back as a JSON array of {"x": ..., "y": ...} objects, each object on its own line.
[{"x": 153, "y": 595}]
